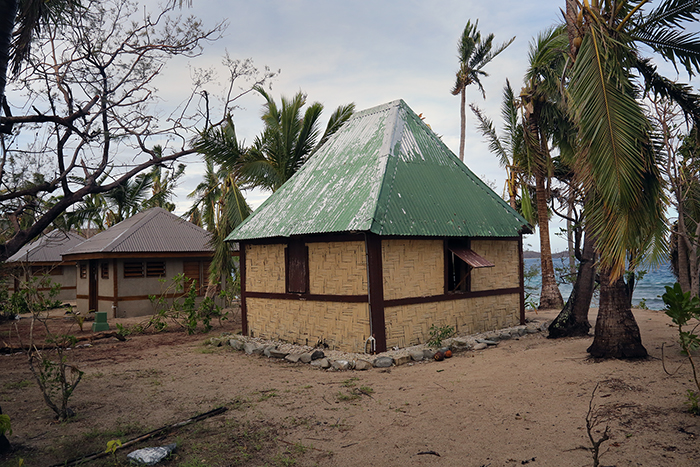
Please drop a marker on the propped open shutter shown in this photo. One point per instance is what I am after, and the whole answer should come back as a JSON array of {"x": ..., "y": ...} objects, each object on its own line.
[{"x": 470, "y": 257}]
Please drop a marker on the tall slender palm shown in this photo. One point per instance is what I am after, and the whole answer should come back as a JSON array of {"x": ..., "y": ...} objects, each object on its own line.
[
  {"x": 617, "y": 162},
  {"x": 288, "y": 140},
  {"x": 542, "y": 114},
  {"x": 206, "y": 196},
  {"x": 474, "y": 53}
]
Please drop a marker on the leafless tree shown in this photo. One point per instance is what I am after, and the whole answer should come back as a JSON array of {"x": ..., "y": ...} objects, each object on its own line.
[{"x": 83, "y": 115}]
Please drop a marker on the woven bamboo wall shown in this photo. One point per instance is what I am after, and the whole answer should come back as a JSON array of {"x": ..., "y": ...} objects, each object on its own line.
[
  {"x": 337, "y": 268},
  {"x": 265, "y": 268},
  {"x": 413, "y": 268},
  {"x": 505, "y": 274},
  {"x": 410, "y": 324},
  {"x": 344, "y": 326}
]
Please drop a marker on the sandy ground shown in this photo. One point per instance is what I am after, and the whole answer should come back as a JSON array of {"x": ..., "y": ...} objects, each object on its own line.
[{"x": 523, "y": 402}]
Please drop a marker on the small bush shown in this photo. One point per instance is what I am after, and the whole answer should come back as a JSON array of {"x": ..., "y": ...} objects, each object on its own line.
[{"x": 439, "y": 334}]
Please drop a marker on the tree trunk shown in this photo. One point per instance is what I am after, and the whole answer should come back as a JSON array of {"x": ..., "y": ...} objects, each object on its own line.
[
  {"x": 616, "y": 331},
  {"x": 463, "y": 122},
  {"x": 572, "y": 321},
  {"x": 550, "y": 296},
  {"x": 7, "y": 23},
  {"x": 683, "y": 263}
]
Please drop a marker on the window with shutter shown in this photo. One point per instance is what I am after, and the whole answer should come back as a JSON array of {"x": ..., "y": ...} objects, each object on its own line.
[
  {"x": 133, "y": 269},
  {"x": 155, "y": 268}
]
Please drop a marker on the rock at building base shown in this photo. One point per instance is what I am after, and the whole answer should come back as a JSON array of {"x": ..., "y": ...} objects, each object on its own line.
[
  {"x": 321, "y": 362},
  {"x": 383, "y": 362},
  {"x": 362, "y": 365},
  {"x": 317, "y": 354},
  {"x": 402, "y": 360}
]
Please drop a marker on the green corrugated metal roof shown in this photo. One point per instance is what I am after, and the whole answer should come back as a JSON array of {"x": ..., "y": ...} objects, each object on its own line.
[{"x": 385, "y": 172}]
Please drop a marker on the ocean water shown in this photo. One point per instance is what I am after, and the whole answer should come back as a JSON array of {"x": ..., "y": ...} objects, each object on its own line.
[{"x": 648, "y": 290}]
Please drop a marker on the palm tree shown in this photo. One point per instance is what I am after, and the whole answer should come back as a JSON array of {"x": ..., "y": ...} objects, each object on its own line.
[
  {"x": 474, "y": 54},
  {"x": 28, "y": 16},
  {"x": 206, "y": 197},
  {"x": 542, "y": 115},
  {"x": 509, "y": 148},
  {"x": 219, "y": 203},
  {"x": 127, "y": 199},
  {"x": 617, "y": 162},
  {"x": 287, "y": 141}
]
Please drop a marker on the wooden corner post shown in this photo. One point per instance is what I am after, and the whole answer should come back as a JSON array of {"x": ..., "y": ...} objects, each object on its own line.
[{"x": 241, "y": 271}]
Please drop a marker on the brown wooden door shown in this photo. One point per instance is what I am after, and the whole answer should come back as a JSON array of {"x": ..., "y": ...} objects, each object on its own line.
[{"x": 92, "y": 285}]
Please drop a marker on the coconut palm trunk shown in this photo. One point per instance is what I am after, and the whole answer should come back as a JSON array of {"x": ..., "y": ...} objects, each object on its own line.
[
  {"x": 550, "y": 296},
  {"x": 572, "y": 321},
  {"x": 616, "y": 331}
]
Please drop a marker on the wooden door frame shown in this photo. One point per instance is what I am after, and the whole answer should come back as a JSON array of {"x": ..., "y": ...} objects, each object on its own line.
[{"x": 93, "y": 287}]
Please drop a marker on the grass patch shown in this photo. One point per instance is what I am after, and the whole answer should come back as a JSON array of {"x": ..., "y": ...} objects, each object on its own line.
[
  {"x": 350, "y": 383},
  {"x": 25, "y": 383},
  {"x": 267, "y": 394}
]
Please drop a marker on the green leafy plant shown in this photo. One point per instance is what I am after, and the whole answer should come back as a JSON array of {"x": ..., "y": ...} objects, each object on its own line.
[
  {"x": 439, "y": 334},
  {"x": 77, "y": 317},
  {"x": 5, "y": 424},
  {"x": 112, "y": 446},
  {"x": 684, "y": 310},
  {"x": 183, "y": 309},
  {"x": 55, "y": 376}
]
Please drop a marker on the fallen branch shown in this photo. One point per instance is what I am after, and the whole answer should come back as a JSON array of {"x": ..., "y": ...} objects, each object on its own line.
[
  {"x": 150, "y": 434},
  {"x": 9, "y": 348}
]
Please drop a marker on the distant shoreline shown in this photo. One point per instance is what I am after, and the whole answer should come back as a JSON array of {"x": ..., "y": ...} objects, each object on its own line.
[{"x": 536, "y": 254}]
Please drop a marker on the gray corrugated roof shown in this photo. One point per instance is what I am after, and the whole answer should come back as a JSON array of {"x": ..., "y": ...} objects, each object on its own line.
[
  {"x": 47, "y": 249},
  {"x": 152, "y": 231},
  {"x": 386, "y": 172}
]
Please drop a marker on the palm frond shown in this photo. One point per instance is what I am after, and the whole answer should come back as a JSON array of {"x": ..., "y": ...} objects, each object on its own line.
[
  {"x": 616, "y": 166},
  {"x": 488, "y": 131},
  {"x": 678, "y": 47}
]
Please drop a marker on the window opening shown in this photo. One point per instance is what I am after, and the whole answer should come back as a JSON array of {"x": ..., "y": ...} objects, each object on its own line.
[
  {"x": 155, "y": 268},
  {"x": 461, "y": 260},
  {"x": 133, "y": 269}
]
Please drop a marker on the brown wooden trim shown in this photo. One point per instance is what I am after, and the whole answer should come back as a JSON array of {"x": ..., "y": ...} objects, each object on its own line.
[
  {"x": 375, "y": 283},
  {"x": 103, "y": 298},
  {"x": 451, "y": 296},
  {"x": 67, "y": 287},
  {"x": 521, "y": 273},
  {"x": 143, "y": 255},
  {"x": 82, "y": 297},
  {"x": 147, "y": 297},
  {"x": 309, "y": 297},
  {"x": 20, "y": 264},
  {"x": 244, "y": 294}
]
